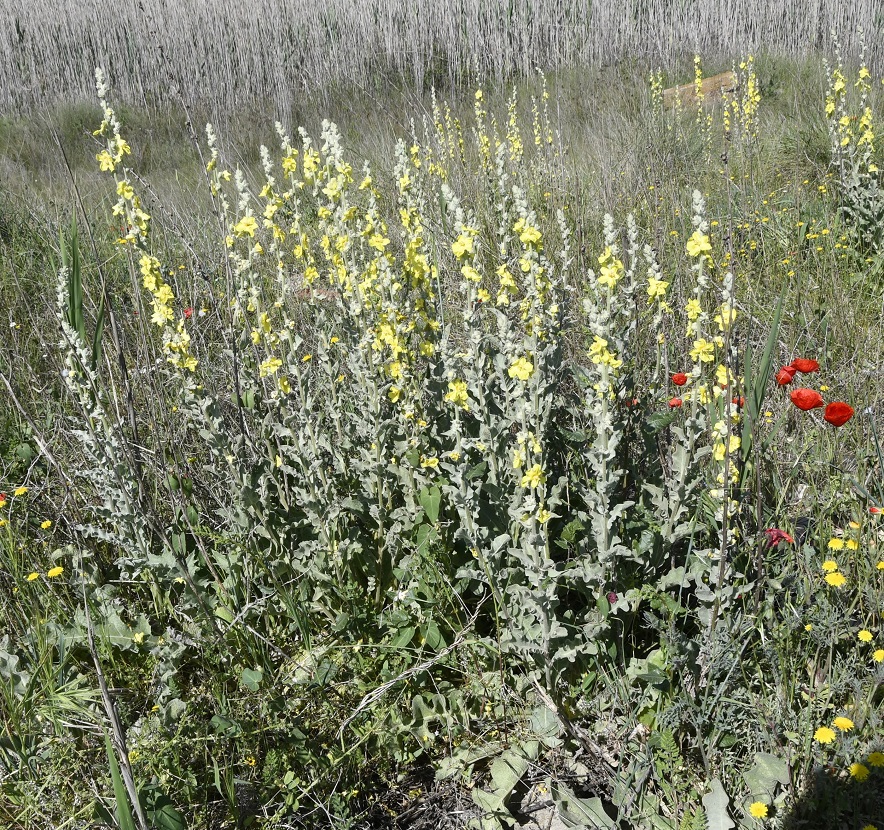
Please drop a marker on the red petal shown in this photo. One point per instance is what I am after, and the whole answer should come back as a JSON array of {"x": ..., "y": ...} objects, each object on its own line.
[
  {"x": 806, "y": 399},
  {"x": 803, "y": 364},
  {"x": 785, "y": 375},
  {"x": 838, "y": 413},
  {"x": 674, "y": 402},
  {"x": 679, "y": 378}
]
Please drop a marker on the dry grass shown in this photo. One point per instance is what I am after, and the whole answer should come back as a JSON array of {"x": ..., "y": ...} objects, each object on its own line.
[{"x": 229, "y": 53}]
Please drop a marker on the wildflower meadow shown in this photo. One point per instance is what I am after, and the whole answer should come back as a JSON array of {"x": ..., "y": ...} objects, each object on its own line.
[{"x": 503, "y": 450}]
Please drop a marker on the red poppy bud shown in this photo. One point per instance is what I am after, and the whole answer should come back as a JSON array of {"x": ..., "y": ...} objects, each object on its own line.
[
  {"x": 806, "y": 399},
  {"x": 838, "y": 413},
  {"x": 679, "y": 378},
  {"x": 739, "y": 401},
  {"x": 785, "y": 375},
  {"x": 674, "y": 402},
  {"x": 874, "y": 510},
  {"x": 803, "y": 364},
  {"x": 188, "y": 313}
]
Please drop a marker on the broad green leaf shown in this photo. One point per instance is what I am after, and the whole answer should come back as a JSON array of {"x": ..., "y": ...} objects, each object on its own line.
[
  {"x": 251, "y": 679},
  {"x": 430, "y": 499},
  {"x": 716, "y": 803}
]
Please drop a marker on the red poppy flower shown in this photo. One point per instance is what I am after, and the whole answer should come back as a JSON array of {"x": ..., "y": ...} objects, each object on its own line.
[
  {"x": 739, "y": 401},
  {"x": 775, "y": 536},
  {"x": 188, "y": 313},
  {"x": 679, "y": 378},
  {"x": 785, "y": 375},
  {"x": 803, "y": 364},
  {"x": 674, "y": 402},
  {"x": 838, "y": 413},
  {"x": 806, "y": 399}
]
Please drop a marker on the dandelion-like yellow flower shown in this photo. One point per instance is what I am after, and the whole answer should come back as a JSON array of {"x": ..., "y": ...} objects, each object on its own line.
[
  {"x": 880, "y": 565},
  {"x": 46, "y": 525},
  {"x": 758, "y": 809},
  {"x": 32, "y": 576},
  {"x": 58, "y": 570},
  {"x": 824, "y": 735},
  {"x": 844, "y": 724},
  {"x": 876, "y": 759},
  {"x": 878, "y": 655},
  {"x": 521, "y": 369},
  {"x": 829, "y": 566},
  {"x": 836, "y": 544},
  {"x": 19, "y": 491},
  {"x": 859, "y": 771},
  {"x": 865, "y": 636},
  {"x": 852, "y": 544},
  {"x": 836, "y": 579}
]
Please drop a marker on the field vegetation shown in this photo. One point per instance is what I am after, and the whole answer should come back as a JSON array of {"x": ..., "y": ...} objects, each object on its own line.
[{"x": 435, "y": 457}]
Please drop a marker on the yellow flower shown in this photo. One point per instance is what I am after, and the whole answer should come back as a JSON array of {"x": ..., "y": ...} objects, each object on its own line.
[
  {"x": 859, "y": 771},
  {"x": 19, "y": 491},
  {"x": 693, "y": 309},
  {"x": 543, "y": 515},
  {"x": 32, "y": 576},
  {"x": 46, "y": 525},
  {"x": 521, "y": 369},
  {"x": 105, "y": 161},
  {"x": 836, "y": 544},
  {"x": 306, "y": 358},
  {"x": 246, "y": 226},
  {"x": 808, "y": 627},
  {"x": 876, "y": 759},
  {"x": 758, "y": 809},
  {"x": 656, "y": 288},
  {"x": 824, "y": 735},
  {"x": 269, "y": 367},
  {"x": 703, "y": 351},
  {"x": 878, "y": 655},
  {"x": 698, "y": 244},
  {"x": 835, "y": 579},
  {"x": 457, "y": 393},
  {"x": 533, "y": 477},
  {"x": 284, "y": 386},
  {"x": 880, "y": 565},
  {"x": 865, "y": 636},
  {"x": 432, "y": 462},
  {"x": 852, "y": 544},
  {"x": 138, "y": 637},
  {"x": 463, "y": 245},
  {"x": 58, "y": 570},
  {"x": 844, "y": 724},
  {"x": 830, "y": 565},
  {"x": 394, "y": 393}
]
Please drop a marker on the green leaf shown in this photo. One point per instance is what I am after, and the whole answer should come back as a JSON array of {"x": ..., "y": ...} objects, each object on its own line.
[
  {"x": 580, "y": 812},
  {"x": 251, "y": 679},
  {"x": 716, "y": 803},
  {"x": 430, "y": 499},
  {"x": 765, "y": 773},
  {"x": 123, "y": 810}
]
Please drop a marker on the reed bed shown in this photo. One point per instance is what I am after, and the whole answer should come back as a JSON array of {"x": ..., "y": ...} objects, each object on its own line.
[{"x": 226, "y": 53}]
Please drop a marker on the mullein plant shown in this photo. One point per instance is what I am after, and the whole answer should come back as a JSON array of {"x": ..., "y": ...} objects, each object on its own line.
[
  {"x": 851, "y": 125},
  {"x": 416, "y": 425}
]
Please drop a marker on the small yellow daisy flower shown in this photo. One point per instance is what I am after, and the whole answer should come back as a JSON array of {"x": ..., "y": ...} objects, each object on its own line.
[
  {"x": 859, "y": 771},
  {"x": 836, "y": 544},
  {"x": 878, "y": 656},
  {"x": 830, "y": 565},
  {"x": 865, "y": 636},
  {"x": 836, "y": 579},
  {"x": 824, "y": 735},
  {"x": 880, "y": 565},
  {"x": 842, "y": 723},
  {"x": 758, "y": 809},
  {"x": 808, "y": 627},
  {"x": 876, "y": 759},
  {"x": 46, "y": 525}
]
